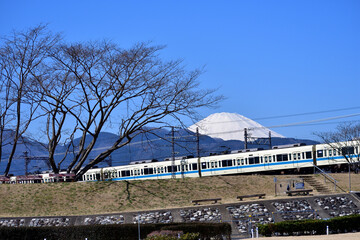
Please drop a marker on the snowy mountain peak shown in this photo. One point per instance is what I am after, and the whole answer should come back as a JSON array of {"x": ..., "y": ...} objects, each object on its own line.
[{"x": 230, "y": 126}]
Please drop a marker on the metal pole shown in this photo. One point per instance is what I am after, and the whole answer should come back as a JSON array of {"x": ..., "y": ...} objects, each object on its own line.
[
  {"x": 139, "y": 225},
  {"x": 172, "y": 152},
  {"x": 198, "y": 150},
  {"x": 270, "y": 145},
  {"x": 349, "y": 179},
  {"x": 245, "y": 137}
]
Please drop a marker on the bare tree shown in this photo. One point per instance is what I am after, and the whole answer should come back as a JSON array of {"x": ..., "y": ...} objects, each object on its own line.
[
  {"x": 346, "y": 141},
  {"x": 132, "y": 87},
  {"x": 22, "y": 54},
  {"x": 80, "y": 89}
]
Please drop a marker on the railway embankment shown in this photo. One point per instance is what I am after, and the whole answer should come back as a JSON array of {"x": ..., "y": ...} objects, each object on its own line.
[
  {"x": 59, "y": 199},
  {"x": 164, "y": 201}
]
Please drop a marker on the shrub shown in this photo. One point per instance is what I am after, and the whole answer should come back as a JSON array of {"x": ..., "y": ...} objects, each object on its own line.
[{"x": 314, "y": 227}]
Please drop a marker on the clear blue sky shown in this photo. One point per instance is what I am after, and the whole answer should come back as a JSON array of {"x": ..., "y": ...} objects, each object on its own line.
[{"x": 269, "y": 58}]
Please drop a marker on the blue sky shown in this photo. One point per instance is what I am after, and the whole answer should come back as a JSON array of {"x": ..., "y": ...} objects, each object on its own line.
[{"x": 269, "y": 58}]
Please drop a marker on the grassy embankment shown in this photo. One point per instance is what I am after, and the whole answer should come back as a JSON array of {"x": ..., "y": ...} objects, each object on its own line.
[{"x": 108, "y": 197}]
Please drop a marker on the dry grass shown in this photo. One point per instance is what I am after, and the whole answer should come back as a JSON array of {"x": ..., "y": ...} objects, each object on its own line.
[{"x": 108, "y": 197}]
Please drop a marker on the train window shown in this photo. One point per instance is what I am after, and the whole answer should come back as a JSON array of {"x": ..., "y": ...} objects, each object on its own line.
[
  {"x": 216, "y": 164},
  {"x": 226, "y": 163},
  {"x": 303, "y": 155},
  {"x": 97, "y": 176},
  {"x": 186, "y": 167},
  {"x": 320, "y": 153},
  {"x": 203, "y": 165},
  {"x": 308, "y": 155},
  {"x": 270, "y": 159},
  {"x": 208, "y": 165},
  {"x": 335, "y": 152},
  {"x": 330, "y": 152},
  {"x": 175, "y": 168},
  {"x": 87, "y": 177},
  {"x": 289, "y": 156},
  {"x": 298, "y": 156},
  {"x": 238, "y": 162},
  {"x": 194, "y": 166},
  {"x": 261, "y": 159},
  {"x": 282, "y": 157},
  {"x": 257, "y": 160},
  {"x": 347, "y": 150},
  {"x": 266, "y": 159},
  {"x": 148, "y": 171},
  {"x": 294, "y": 155},
  {"x": 212, "y": 165},
  {"x": 251, "y": 160}
]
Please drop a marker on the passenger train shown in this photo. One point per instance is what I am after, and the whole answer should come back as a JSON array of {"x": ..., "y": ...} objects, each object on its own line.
[
  {"x": 294, "y": 158},
  {"x": 285, "y": 159}
]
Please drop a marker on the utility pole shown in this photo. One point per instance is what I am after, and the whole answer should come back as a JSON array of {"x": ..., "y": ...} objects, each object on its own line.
[
  {"x": 198, "y": 150},
  {"x": 27, "y": 161},
  {"x": 172, "y": 153},
  {"x": 246, "y": 138},
  {"x": 270, "y": 145}
]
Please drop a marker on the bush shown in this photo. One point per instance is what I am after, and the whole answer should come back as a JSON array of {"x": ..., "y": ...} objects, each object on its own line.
[
  {"x": 313, "y": 227},
  {"x": 113, "y": 232},
  {"x": 172, "y": 235}
]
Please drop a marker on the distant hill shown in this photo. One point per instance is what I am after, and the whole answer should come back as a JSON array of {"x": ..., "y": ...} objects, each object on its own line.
[{"x": 144, "y": 146}]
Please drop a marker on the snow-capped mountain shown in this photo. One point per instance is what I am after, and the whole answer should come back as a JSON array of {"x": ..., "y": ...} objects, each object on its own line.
[{"x": 230, "y": 126}]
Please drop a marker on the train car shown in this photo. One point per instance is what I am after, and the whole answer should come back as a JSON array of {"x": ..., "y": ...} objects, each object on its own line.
[{"x": 287, "y": 158}]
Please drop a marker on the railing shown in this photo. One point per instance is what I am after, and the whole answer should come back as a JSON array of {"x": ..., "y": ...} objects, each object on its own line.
[{"x": 328, "y": 177}]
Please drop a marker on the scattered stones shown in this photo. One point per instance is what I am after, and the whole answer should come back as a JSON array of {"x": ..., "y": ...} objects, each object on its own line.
[
  {"x": 153, "y": 217},
  {"x": 337, "y": 206},
  {"x": 201, "y": 215},
  {"x": 248, "y": 216},
  {"x": 295, "y": 210},
  {"x": 12, "y": 222},
  {"x": 103, "y": 220},
  {"x": 47, "y": 222}
]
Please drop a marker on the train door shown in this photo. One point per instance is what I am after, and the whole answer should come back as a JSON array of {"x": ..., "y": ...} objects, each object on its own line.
[
  {"x": 213, "y": 166},
  {"x": 240, "y": 163},
  {"x": 267, "y": 162},
  {"x": 296, "y": 156},
  {"x": 160, "y": 171}
]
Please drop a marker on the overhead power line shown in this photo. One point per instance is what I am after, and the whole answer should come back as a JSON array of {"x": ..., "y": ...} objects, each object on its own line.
[{"x": 303, "y": 123}]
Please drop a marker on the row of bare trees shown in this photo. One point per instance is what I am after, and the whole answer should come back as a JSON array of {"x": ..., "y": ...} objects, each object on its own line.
[{"x": 78, "y": 89}]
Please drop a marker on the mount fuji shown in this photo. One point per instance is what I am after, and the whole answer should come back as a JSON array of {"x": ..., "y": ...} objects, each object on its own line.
[{"x": 230, "y": 126}]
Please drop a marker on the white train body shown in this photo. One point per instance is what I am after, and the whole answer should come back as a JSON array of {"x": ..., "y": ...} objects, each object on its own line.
[
  {"x": 286, "y": 158},
  {"x": 261, "y": 161}
]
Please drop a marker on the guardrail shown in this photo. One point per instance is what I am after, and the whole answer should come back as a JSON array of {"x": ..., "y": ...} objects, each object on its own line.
[{"x": 328, "y": 177}]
